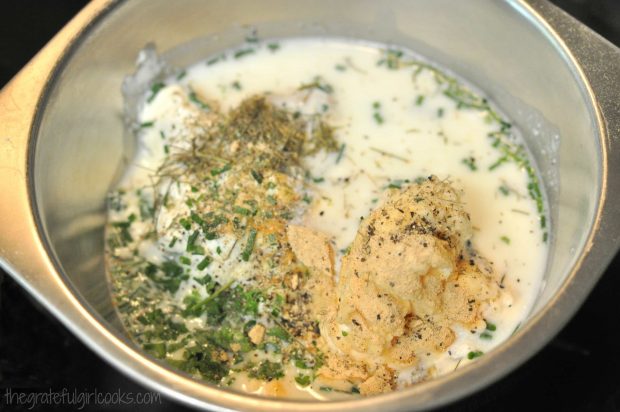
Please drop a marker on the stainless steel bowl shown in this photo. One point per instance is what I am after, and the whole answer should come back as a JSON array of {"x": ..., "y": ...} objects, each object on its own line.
[{"x": 62, "y": 144}]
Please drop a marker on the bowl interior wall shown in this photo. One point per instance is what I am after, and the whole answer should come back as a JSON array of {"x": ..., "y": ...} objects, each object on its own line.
[{"x": 81, "y": 145}]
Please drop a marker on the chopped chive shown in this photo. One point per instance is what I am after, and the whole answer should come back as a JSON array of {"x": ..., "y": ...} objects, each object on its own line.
[
  {"x": 499, "y": 162},
  {"x": 249, "y": 246},
  {"x": 376, "y": 115},
  {"x": 391, "y": 59},
  {"x": 317, "y": 83},
  {"x": 257, "y": 176},
  {"x": 155, "y": 88},
  {"x": 204, "y": 263},
  {"x": 225, "y": 168},
  {"x": 243, "y": 52},
  {"x": 241, "y": 210},
  {"x": 471, "y": 163},
  {"x": 185, "y": 223},
  {"x": 273, "y": 46},
  {"x": 504, "y": 190},
  {"x": 490, "y": 326},
  {"x": 486, "y": 336},
  {"x": 505, "y": 239},
  {"x": 191, "y": 240},
  {"x": 144, "y": 125},
  {"x": 340, "y": 152},
  {"x": 303, "y": 380},
  {"x": 193, "y": 97},
  {"x": 419, "y": 100},
  {"x": 474, "y": 354},
  {"x": 185, "y": 260},
  {"x": 216, "y": 59},
  {"x": 307, "y": 199},
  {"x": 340, "y": 67},
  {"x": 195, "y": 218},
  {"x": 279, "y": 332}
]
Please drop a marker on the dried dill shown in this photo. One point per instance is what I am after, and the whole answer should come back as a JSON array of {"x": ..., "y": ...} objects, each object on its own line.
[{"x": 267, "y": 138}]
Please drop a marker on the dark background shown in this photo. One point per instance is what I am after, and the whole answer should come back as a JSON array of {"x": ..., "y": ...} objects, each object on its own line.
[{"x": 578, "y": 371}]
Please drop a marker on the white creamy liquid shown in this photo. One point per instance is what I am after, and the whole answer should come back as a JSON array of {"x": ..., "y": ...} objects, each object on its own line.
[{"x": 389, "y": 134}]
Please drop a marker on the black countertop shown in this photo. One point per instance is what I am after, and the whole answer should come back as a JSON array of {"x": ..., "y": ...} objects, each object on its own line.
[{"x": 578, "y": 371}]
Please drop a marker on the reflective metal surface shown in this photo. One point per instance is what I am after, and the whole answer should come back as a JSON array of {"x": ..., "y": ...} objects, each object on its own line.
[{"x": 62, "y": 144}]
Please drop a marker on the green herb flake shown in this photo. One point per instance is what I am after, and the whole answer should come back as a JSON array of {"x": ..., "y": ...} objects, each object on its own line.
[
  {"x": 419, "y": 100},
  {"x": 257, "y": 176},
  {"x": 273, "y": 47},
  {"x": 157, "y": 349},
  {"x": 474, "y": 354},
  {"x": 216, "y": 59},
  {"x": 249, "y": 246},
  {"x": 391, "y": 59},
  {"x": 241, "y": 210},
  {"x": 340, "y": 152},
  {"x": 191, "y": 241},
  {"x": 490, "y": 326},
  {"x": 303, "y": 380},
  {"x": 317, "y": 83},
  {"x": 223, "y": 169},
  {"x": 486, "y": 336},
  {"x": 145, "y": 125},
  {"x": 185, "y": 260},
  {"x": 267, "y": 371},
  {"x": 271, "y": 199},
  {"x": 505, "y": 239},
  {"x": 194, "y": 98},
  {"x": 243, "y": 52},
  {"x": 376, "y": 115},
  {"x": 278, "y": 332},
  {"x": 252, "y": 38},
  {"x": 204, "y": 263},
  {"x": 470, "y": 162},
  {"x": 155, "y": 88}
]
